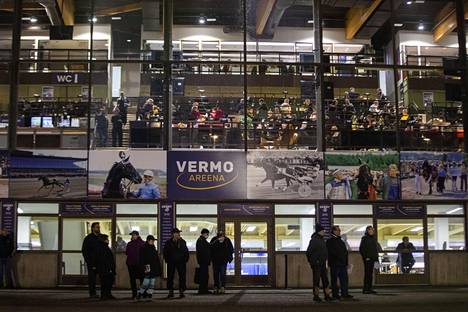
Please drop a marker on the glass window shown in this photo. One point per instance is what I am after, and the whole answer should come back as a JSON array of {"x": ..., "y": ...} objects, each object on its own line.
[
  {"x": 293, "y": 234},
  {"x": 137, "y": 209},
  {"x": 454, "y": 209},
  {"x": 446, "y": 233},
  {"x": 308, "y": 209},
  {"x": 197, "y": 209},
  {"x": 391, "y": 232},
  {"x": 37, "y": 233},
  {"x": 352, "y": 209},
  {"x": 75, "y": 230},
  {"x": 191, "y": 229},
  {"x": 74, "y": 264},
  {"x": 145, "y": 226},
  {"x": 33, "y": 208},
  {"x": 352, "y": 230}
]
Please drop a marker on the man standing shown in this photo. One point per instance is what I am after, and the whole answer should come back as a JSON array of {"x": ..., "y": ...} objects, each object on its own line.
[
  {"x": 405, "y": 259},
  {"x": 122, "y": 104},
  {"x": 105, "y": 267},
  {"x": 317, "y": 256},
  {"x": 338, "y": 263},
  {"x": 203, "y": 259},
  {"x": 221, "y": 254},
  {"x": 176, "y": 255},
  {"x": 135, "y": 271},
  {"x": 89, "y": 251},
  {"x": 6, "y": 252},
  {"x": 369, "y": 251}
]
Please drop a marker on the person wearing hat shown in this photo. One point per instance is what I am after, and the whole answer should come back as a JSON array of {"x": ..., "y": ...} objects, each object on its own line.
[
  {"x": 176, "y": 255},
  {"x": 317, "y": 255},
  {"x": 133, "y": 260},
  {"x": 203, "y": 259},
  {"x": 149, "y": 259},
  {"x": 148, "y": 190},
  {"x": 339, "y": 187}
]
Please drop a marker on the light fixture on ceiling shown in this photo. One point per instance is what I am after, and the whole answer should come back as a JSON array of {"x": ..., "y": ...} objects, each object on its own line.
[
  {"x": 193, "y": 228},
  {"x": 409, "y": 2},
  {"x": 34, "y": 27},
  {"x": 310, "y": 21},
  {"x": 201, "y": 20},
  {"x": 33, "y": 19},
  {"x": 251, "y": 228},
  {"x": 398, "y": 25},
  {"x": 454, "y": 210},
  {"x": 417, "y": 229},
  {"x": 211, "y": 19},
  {"x": 129, "y": 40},
  {"x": 93, "y": 19},
  {"x": 116, "y": 18},
  {"x": 420, "y": 27}
]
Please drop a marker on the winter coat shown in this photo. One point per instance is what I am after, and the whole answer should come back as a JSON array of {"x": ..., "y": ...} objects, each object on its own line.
[
  {"x": 105, "y": 262},
  {"x": 337, "y": 251},
  {"x": 176, "y": 251},
  {"x": 133, "y": 251},
  {"x": 405, "y": 253},
  {"x": 203, "y": 251},
  {"x": 369, "y": 248},
  {"x": 149, "y": 258},
  {"x": 6, "y": 246},
  {"x": 221, "y": 253},
  {"x": 317, "y": 253},
  {"x": 89, "y": 249}
]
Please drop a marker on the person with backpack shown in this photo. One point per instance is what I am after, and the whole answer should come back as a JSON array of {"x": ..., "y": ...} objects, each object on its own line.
[{"x": 149, "y": 259}]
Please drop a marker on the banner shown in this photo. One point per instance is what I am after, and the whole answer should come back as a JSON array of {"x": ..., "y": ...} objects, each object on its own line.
[
  {"x": 166, "y": 221},
  {"x": 206, "y": 175},
  {"x": 79, "y": 209},
  {"x": 245, "y": 209},
  {"x": 399, "y": 211},
  {"x": 8, "y": 215},
  {"x": 325, "y": 217}
]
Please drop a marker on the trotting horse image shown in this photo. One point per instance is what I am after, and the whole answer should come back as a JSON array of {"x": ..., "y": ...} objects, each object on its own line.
[
  {"x": 115, "y": 185},
  {"x": 53, "y": 185}
]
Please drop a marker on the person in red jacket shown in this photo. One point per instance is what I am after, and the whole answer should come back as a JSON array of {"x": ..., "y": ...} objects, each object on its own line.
[{"x": 135, "y": 271}]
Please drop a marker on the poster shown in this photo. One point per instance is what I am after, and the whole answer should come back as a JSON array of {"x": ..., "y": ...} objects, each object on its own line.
[
  {"x": 362, "y": 175},
  {"x": 433, "y": 175},
  {"x": 8, "y": 215},
  {"x": 325, "y": 217},
  {"x": 399, "y": 211},
  {"x": 233, "y": 209},
  {"x": 166, "y": 221},
  {"x": 284, "y": 175},
  {"x": 78, "y": 209},
  {"x": 48, "y": 174},
  {"x": 129, "y": 174},
  {"x": 206, "y": 175}
]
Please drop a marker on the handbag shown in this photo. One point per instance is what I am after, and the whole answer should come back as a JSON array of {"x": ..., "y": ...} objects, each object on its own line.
[{"x": 196, "y": 278}]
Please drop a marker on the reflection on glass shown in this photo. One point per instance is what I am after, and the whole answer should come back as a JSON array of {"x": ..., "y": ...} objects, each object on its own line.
[
  {"x": 446, "y": 233},
  {"x": 392, "y": 263},
  {"x": 75, "y": 230},
  {"x": 391, "y": 233},
  {"x": 352, "y": 230},
  {"x": 293, "y": 234},
  {"x": 37, "y": 233},
  {"x": 144, "y": 226},
  {"x": 254, "y": 247},
  {"x": 229, "y": 231},
  {"x": 191, "y": 229},
  {"x": 73, "y": 264}
]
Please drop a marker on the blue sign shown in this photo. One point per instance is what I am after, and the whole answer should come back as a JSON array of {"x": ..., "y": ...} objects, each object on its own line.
[
  {"x": 400, "y": 211},
  {"x": 166, "y": 221},
  {"x": 8, "y": 215},
  {"x": 325, "y": 217},
  {"x": 245, "y": 209},
  {"x": 206, "y": 175},
  {"x": 78, "y": 209}
]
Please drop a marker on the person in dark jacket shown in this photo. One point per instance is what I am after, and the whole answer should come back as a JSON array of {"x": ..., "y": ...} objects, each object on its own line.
[
  {"x": 105, "y": 265},
  {"x": 369, "y": 251},
  {"x": 204, "y": 260},
  {"x": 135, "y": 270},
  {"x": 117, "y": 132},
  {"x": 338, "y": 263},
  {"x": 89, "y": 251},
  {"x": 149, "y": 259},
  {"x": 123, "y": 103},
  {"x": 221, "y": 254},
  {"x": 405, "y": 259},
  {"x": 101, "y": 128},
  {"x": 6, "y": 252},
  {"x": 317, "y": 255},
  {"x": 176, "y": 255}
]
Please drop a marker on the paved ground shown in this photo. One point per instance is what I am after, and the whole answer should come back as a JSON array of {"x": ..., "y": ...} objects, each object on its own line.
[{"x": 389, "y": 299}]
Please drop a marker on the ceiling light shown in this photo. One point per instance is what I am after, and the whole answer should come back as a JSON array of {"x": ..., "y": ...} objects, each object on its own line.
[
  {"x": 361, "y": 229},
  {"x": 26, "y": 18},
  {"x": 211, "y": 19},
  {"x": 19, "y": 210},
  {"x": 34, "y": 27},
  {"x": 129, "y": 40},
  {"x": 409, "y": 2},
  {"x": 454, "y": 210},
  {"x": 398, "y": 25},
  {"x": 417, "y": 229},
  {"x": 420, "y": 27},
  {"x": 116, "y": 18},
  {"x": 202, "y": 20},
  {"x": 251, "y": 228},
  {"x": 94, "y": 19},
  {"x": 193, "y": 228},
  {"x": 33, "y": 19},
  {"x": 310, "y": 21}
]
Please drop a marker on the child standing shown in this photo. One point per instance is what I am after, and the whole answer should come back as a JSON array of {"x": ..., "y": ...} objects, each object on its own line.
[{"x": 149, "y": 259}]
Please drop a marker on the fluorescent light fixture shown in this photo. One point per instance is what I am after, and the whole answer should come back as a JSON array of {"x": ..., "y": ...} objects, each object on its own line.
[
  {"x": 193, "y": 228},
  {"x": 201, "y": 20},
  {"x": 33, "y": 19},
  {"x": 420, "y": 27},
  {"x": 116, "y": 18},
  {"x": 34, "y": 27},
  {"x": 129, "y": 40},
  {"x": 19, "y": 210},
  {"x": 398, "y": 25},
  {"x": 211, "y": 19},
  {"x": 31, "y": 222},
  {"x": 251, "y": 228},
  {"x": 135, "y": 228},
  {"x": 417, "y": 229},
  {"x": 94, "y": 19},
  {"x": 310, "y": 21},
  {"x": 361, "y": 229},
  {"x": 454, "y": 210},
  {"x": 25, "y": 18},
  {"x": 409, "y": 2}
]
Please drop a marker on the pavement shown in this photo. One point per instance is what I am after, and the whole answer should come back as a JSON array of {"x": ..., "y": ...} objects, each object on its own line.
[{"x": 424, "y": 299}]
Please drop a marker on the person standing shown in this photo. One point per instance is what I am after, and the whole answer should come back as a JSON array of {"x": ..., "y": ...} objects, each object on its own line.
[
  {"x": 338, "y": 263},
  {"x": 105, "y": 265},
  {"x": 135, "y": 271},
  {"x": 405, "y": 259},
  {"x": 102, "y": 125},
  {"x": 221, "y": 254},
  {"x": 176, "y": 255},
  {"x": 6, "y": 253},
  {"x": 152, "y": 268},
  {"x": 117, "y": 132},
  {"x": 89, "y": 250},
  {"x": 204, "y": 260},
  {"x": 463, "y": 177},
  {"x": 317, "y": 255},
  {"x": 123, "y": 104},
  {"x": 369, "y": 253}
]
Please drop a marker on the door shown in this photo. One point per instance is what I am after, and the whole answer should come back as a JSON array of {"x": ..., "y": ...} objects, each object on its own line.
[
  {"x": 73, "y": 269},
  {"x": 253, "y": 260}
]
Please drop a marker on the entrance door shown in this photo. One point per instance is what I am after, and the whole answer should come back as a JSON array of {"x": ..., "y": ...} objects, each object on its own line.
[
  {"x": 73, "y": 269},
  {"x": 253, "y": 261}
]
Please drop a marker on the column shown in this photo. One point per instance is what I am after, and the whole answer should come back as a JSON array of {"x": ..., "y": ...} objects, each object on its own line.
[
  {"x": 318, "y": 38},
  {"x": 167, "y": 28}
]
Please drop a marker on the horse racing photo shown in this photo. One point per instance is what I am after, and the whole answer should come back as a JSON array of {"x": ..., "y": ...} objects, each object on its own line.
[
  {"x": 284, "y": 175},
  {"x": 362, "y": 175},
  {"x": 48, "y": 174},
  {"x": 127, "y": 174},
  {"x": 434, "y": 175}
]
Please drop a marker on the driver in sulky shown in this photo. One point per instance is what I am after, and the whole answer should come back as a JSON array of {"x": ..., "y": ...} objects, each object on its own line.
[{"x": 148, "y": 190}]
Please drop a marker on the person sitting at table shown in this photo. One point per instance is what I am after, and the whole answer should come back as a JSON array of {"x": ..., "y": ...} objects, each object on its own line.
[
  {"x": 374, "y": 108},
  {"x": 217, "y": 113}
]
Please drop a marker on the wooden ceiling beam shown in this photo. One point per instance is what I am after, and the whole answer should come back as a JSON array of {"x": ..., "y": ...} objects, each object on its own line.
[
  {"x": 447, "y": 23},
  {"x": 67, "y": 9},
  {"x": 264, "y": 9},
  {"x": 357, "y": 17},
  {"x": 28, "y": 6},
  {"x": 120, "y": 9}
]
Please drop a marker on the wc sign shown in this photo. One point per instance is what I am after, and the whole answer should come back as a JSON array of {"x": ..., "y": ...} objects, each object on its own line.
[{"x": 67, "y": 78}]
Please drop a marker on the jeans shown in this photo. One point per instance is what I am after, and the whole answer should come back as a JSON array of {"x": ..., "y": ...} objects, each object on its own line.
[
  {"x": 134, "y": 272},
  {"x": 319, "y": 272},
  {"x": 101, "y": 137},
  {"x": 147, "y": 286},
  {"x": 181, "y": 271},
  {"x": 203, "y": 271},
  {"x": 5, "y": 272},
  {"x": 219, "y": 275},
  {"x": 339, "y": 272},
  {"x": 368, "y": 273},
  {"x": 92, "y": 281}
]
